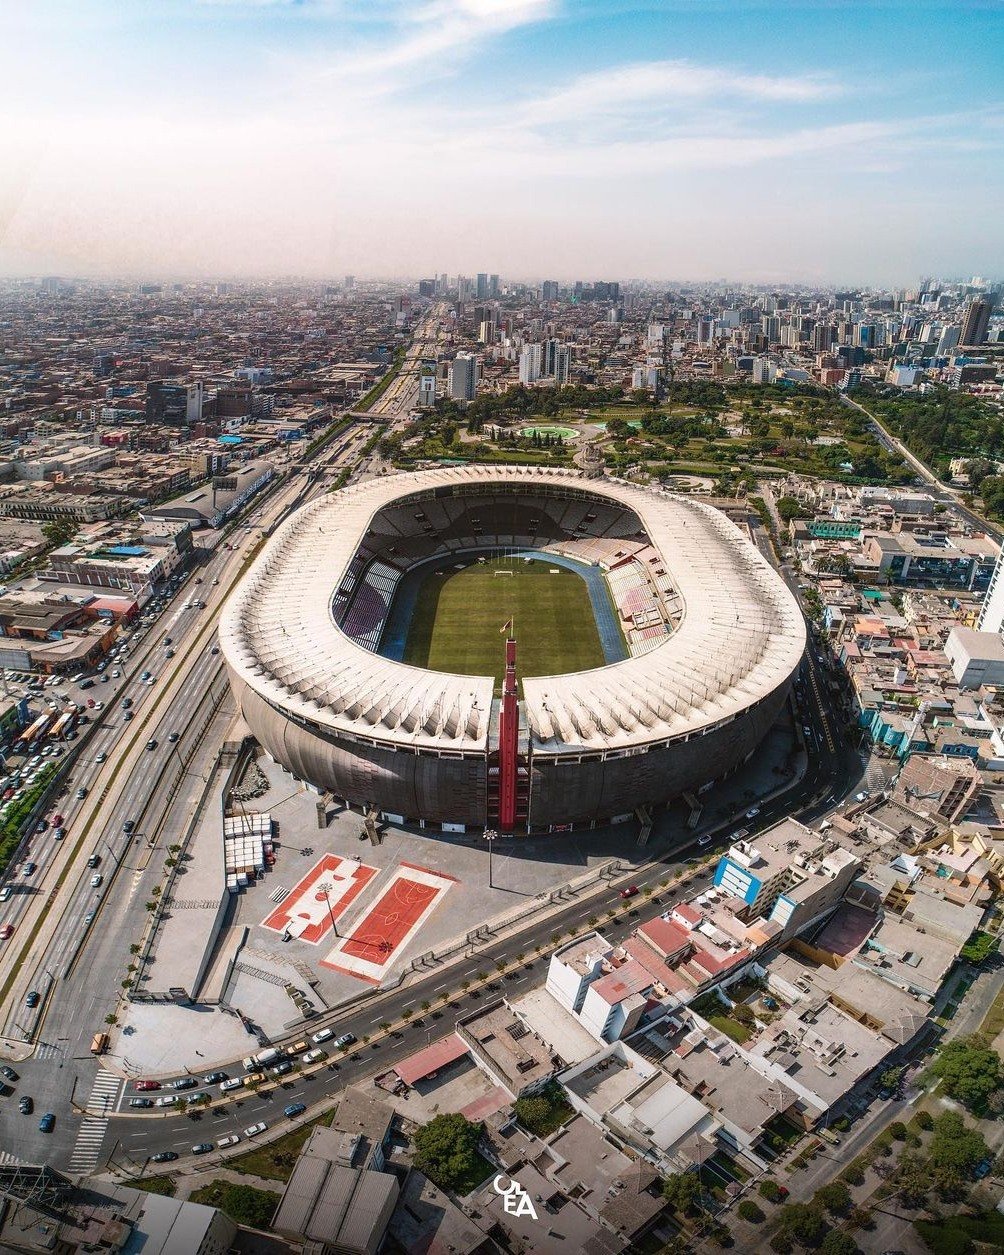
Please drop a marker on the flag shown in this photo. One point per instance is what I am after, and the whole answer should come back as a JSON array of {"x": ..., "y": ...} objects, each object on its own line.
[{"x": 506, "y": 627}]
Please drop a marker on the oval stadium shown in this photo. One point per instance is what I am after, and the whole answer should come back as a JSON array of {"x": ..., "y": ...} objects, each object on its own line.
[{"x": 523, "y": 649}]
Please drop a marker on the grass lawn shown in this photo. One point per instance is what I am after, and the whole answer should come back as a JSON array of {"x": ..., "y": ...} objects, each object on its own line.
[
  {"x": 730, "y": 1027},
  {"x": 459, "y": 614},
  {"x": 156, "y": 1185},
  {"x": 276, "y": 1159},
  {"x": 244, "y": 1204}
]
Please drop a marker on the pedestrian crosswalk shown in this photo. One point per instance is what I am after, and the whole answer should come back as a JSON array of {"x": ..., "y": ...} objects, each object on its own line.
[
  {"x": 87, "y": 1148},
  {"x": 7, "y": 1159},
  {"x": 46, "y": 1050},
  {"x": 103, "y": 1098}
]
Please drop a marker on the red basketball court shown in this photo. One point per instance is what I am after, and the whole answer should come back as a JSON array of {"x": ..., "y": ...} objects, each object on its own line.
[
  {"x": 318, "y": 900},
  {"x": 390, "y": 922}
]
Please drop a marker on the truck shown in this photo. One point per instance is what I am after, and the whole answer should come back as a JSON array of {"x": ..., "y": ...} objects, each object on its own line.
[
  {"x": 262, "y": 1059},
  {"x": 99, "y": 1043}
]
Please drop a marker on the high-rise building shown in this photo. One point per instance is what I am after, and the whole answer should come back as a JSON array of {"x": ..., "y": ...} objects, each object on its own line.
[
  {"x": 529, "y": 363},
  {"x": 481, "y": 289},
  {"x": 549, "y": 290},
  {"x": 464, "y": 377},
  {"x": 550, "y": 348},
  {"x": 771, "y": 328},
  {"x": 493, "y": 287},
  {"x": 823, "y": 338},
  {"x": 176, "y": 403},
  {"x": 427, "y": 390},
  {"x": 947, "y": 341},
  {"x": 427, "y": 287},
  {"x": 562, "y": 364},
  {"x": 976, "y": 322}
]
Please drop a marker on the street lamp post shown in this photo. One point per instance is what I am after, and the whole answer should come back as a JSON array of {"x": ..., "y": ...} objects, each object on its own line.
[
  {"x": 491, "y": 836},
  {"x": 325, "y": 888}
]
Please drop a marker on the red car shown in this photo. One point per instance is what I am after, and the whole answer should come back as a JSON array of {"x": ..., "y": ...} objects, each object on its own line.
[
  {"x": 8, "y": 794},
  {"x": 90, "y": 701},
  {"x": 6, "y": 931},
  {"x": 145, "y": 1085},
  {"x": 57, "y": 821},
  {"x": 630, "y": 892}
]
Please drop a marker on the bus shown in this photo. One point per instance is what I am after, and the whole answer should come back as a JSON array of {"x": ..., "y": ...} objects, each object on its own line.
[
  {"x": 99, "y": 1043},
  {"x": 34, "y": 730}
]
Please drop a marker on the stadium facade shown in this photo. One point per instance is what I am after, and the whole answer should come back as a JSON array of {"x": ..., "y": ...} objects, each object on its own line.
[{"x": 713, "y": 634}]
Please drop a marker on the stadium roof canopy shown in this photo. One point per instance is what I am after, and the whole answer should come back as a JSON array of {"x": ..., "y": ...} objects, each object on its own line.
[{"x": 741, "y": 635}]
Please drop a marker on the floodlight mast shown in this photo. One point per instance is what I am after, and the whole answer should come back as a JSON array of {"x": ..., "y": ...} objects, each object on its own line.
[{"x": 508, "y": 740}]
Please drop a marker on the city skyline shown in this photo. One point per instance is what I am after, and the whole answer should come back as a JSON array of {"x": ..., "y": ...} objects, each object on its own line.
[{"x": 250, "y": 138}]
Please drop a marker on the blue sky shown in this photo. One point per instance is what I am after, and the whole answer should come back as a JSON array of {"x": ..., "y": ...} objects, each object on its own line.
[{"x": 839, "y": 140}]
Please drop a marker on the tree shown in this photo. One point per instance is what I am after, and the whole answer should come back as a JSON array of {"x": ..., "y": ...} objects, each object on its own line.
[
  {"x": 789, "y": 508},
  {"x": 683, "y": 1192},
  {"x": 446, "y": 1150},
  {"x": 248, "y": 1206},
  {"x": 750, "y": 1211},
  {"x": 955, "y": 1146},
  {"x": 59, "y": 531},
  {"x": 835, "y": 1196},
  {"x": 770, "y": 1190},
  {"x": 837, "y": 1242},
  {"x": 802, "y": 1222},
  {"x": 969, "y": 1071}
]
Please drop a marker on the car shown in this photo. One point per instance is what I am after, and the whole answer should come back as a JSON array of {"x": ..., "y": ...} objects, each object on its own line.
[
  {"x": 806, "y": 731},
  {"x": 168, "y": 653},
  {"x": 199, "y": 1095},
  {"x": 126, "y": 716},
  {"x": 631, "y": 891},
  {"x": 313, "y": 1056},
  {"x": 93, "y": 860},
  {"x": 100, "y": 705},
  {"x": 145, "y": 675},
  {"x": 58, "y": 834},
  {"x": 6, "y": 931},
  {"x": 753, "y": 812},
  {"x": 982, "y": 1169},
  {"x": 151, "y": 744},
  {"x": 26, "y": 1104},
  {"x": 281, "y": 1069},
  {"x": 140, "y": 1102},
  {"x": 215, "y": 649},
  {"x": 47, "y": 1123},
  {"x": 202, "y": 1148},
  {"x": 8, "y": 1072},
  {"x": 166, "y": 1100},
  {"x": 234, "y": 1082},
  {"x": 96, "y": 880},
  {"x": 29, "y": 869},
  {"x": 164, "y": 1156},
  {"x": 145, "y": 1086},
  {"x": 81, "y": 793},
  {"x": 325, "y": 1034},
  {"x": 213, "y": 1078},
  {"x": 705, "y": 840},
  {"x": 41, "y": 825},
  {"x": 129, "y": 826},
  {"x": 346, "y": 1039},
  {"x": 184, "y": 1082},
  {"x": 172, "y": 737},
  {"x": 294, "y": 1109},
  {"x": 5, "y": 893},
  {"x": 253, "y": 1130},
  {"x": 101, "y": 757},
  {"x": 90, "y": 703},
  {"x": 116, "y": 673},
  {"x": 126, "y": 703},
  {"x": 168, "y": 640},
  {"x": 231, "y": 1139}
]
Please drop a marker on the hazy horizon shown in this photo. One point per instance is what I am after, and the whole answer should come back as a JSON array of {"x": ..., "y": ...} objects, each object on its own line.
[{"x": 827, "y": 143}]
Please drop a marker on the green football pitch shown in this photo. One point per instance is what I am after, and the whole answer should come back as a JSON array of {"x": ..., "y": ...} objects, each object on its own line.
[{"x": 459, "y": 615}]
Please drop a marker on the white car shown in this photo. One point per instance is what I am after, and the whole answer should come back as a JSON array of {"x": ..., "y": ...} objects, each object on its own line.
[
  {"x": 753, "y": 812},
  {"x": 254, "y": 1129},
  {"x": 312, "y": 1056},
  {"x": 230, "y": 1140},
  {"x": 96, "y": 880},
  {"x": 235, "y": 1082},
  {"x": 325, "y": 1034},
  {"x": 167, "y": 1100}
]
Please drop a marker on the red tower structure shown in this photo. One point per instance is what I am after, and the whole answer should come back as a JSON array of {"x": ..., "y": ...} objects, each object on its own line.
[{"x": 508, "y": 742}]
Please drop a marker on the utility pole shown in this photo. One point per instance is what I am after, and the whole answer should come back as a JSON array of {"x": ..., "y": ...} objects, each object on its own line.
[{"x": 491, "y": 836}]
